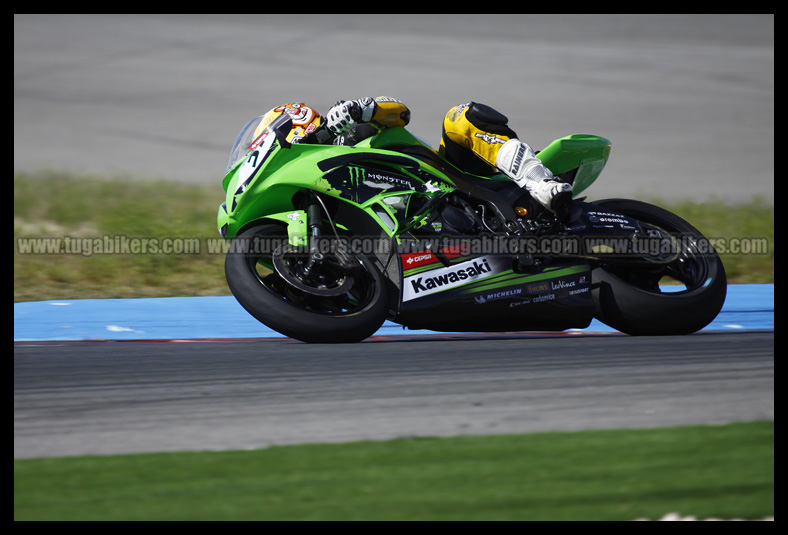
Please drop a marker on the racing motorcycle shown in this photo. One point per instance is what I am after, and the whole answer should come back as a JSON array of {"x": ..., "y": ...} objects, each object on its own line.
[{"x": 329, "y": 241}]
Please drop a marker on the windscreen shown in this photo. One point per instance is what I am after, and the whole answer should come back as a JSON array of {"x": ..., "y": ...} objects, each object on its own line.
[{"x": 244, "y": 140}]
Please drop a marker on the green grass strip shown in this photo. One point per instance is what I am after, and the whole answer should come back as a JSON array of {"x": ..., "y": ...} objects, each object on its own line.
[
  {"x": 706, "y": 471},
  {"x": 81, "y": 208}
]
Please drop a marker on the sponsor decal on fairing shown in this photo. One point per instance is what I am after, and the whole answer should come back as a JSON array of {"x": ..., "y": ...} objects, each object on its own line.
[{"x": 438, "y": 280}]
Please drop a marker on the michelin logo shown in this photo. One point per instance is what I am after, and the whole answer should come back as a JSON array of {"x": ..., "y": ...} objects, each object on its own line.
[{"x": 438, "y": 280}]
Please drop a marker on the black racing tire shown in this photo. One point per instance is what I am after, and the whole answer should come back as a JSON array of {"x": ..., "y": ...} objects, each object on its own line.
[
  {"x": 627, "y": 297},
  {"x": 347, "y": 318}
]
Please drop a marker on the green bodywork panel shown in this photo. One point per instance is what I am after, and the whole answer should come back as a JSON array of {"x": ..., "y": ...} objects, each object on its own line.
[{"x": 384, "y": 183}]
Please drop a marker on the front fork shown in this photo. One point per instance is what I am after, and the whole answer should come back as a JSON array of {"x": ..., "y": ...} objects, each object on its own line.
[
  {"x": 305, "y": 230},
  {"x": 314, "y": 222}
]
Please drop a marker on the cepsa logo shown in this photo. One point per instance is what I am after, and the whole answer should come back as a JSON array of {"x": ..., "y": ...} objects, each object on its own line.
[
  {"x": 422, "y": 258},
  {"x": 414, "y": 260}
]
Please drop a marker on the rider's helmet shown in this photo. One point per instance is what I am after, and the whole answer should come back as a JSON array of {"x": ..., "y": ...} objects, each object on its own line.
[{"x": 305, "y": 120}]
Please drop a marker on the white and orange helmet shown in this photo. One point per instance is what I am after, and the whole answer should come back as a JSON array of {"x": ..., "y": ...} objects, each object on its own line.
[{"x": 305, "y": 120}]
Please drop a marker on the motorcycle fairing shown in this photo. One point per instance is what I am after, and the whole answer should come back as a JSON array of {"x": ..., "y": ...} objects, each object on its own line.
[
  {"x": 437, "y": 279},
  {"x": 485, "y": 294},
  {"x": 578, "y": 159},
  {"x": 360, "y": 184}
]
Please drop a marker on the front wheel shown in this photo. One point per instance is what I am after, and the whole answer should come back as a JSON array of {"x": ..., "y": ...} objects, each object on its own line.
[
  {"x": 325, "y": 303},
  {"x": 630, "y": 298}
]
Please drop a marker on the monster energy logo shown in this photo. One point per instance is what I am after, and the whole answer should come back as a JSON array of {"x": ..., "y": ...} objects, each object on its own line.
[
  {"x": 377, "y": 177},
  {"x": 360, "y": 176},
  {"x": 356, "y": 176}
]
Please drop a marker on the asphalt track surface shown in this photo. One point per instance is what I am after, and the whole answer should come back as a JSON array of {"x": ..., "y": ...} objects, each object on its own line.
[
  {"x": 123, "y": 397},
  {"x": 688, "y": 101}
]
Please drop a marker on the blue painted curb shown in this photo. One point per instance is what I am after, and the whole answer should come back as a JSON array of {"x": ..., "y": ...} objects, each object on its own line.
[{"x": 747, "y": 306}]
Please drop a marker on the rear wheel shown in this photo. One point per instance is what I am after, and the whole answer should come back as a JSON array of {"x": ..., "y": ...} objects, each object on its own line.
[
  {"x": 338, "y": 299},
  {"x": 629, "y": 297}
]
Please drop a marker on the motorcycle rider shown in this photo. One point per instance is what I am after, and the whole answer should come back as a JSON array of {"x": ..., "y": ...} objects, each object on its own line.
[{"x": 475, "y": 137}]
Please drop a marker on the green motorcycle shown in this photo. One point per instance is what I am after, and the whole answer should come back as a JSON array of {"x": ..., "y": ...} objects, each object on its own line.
[{"x": 330, "y": 241}]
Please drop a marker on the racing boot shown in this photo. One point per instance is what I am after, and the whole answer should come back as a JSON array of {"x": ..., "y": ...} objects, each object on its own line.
[{"x": 518, "y": 161}]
